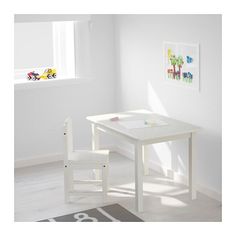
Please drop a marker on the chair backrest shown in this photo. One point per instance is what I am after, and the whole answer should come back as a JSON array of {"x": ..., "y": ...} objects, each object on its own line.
[{"x": 68, "y": 134}]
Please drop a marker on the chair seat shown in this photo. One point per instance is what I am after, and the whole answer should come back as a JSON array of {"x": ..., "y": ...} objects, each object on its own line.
[{"x": 86, "y": 156}]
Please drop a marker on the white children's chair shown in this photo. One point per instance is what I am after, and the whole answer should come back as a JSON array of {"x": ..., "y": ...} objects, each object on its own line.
[{"x": 82, "y": 159}]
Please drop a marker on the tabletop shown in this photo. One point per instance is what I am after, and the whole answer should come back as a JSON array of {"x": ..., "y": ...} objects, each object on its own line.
[{"x": 143, "y": 124}]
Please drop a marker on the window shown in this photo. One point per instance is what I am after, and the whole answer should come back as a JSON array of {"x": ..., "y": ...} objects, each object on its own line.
[
  {"x": 33, "y": 48},
  {"x": 62, "y": 46}
]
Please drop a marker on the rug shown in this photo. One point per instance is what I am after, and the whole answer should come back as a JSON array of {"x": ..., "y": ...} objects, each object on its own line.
[{"x": 110, "y": 213}]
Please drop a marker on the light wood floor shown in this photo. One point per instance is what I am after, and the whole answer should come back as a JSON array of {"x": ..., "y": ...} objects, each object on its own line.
[{"x": 39, "y": 195}]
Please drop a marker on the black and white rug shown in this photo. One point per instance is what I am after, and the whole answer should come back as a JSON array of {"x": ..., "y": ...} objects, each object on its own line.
[{"x": 110, "y": 213}]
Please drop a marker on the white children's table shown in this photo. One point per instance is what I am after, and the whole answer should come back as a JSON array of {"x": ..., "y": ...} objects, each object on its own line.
[{"x": 141, "y": 128}]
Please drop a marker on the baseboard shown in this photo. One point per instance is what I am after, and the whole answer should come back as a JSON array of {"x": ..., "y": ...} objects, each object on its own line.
[
  {"x": 124, "y": 152},
  {"x": 37, "y": 160},
  {"x": 209, "y": 192}
]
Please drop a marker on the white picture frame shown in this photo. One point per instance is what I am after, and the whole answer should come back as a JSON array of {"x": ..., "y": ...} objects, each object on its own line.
[{"x": 181, "y": 64}]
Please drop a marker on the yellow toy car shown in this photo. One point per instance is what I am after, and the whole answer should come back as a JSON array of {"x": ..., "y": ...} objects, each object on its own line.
[{"x": 49, "y": 74}]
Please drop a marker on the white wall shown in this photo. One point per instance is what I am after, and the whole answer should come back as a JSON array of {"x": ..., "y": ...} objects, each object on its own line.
[
  {"x": 40, "y": 112},
  {"x": 139, "y": 42}
]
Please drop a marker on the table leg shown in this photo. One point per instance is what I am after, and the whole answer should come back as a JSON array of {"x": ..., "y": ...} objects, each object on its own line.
[
  {"x": 95, "y": 146},
  {"x": 191, "y": 171},
  {"x": 138, "y": 178},
  {"x": 145, "y": 159}
]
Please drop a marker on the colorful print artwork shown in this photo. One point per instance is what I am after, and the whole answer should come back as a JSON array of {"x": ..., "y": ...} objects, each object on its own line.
[{"x": 182, "y": 64}]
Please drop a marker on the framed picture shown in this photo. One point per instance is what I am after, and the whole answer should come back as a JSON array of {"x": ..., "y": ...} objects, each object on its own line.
[{"x": 181, "y": 64}]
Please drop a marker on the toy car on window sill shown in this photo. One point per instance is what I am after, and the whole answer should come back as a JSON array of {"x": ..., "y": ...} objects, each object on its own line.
[
  {"x": 33, "y": 76},
  {"x": 49, "y": 74}
]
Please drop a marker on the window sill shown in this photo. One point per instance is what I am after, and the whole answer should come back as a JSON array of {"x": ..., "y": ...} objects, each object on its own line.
[{"x": 19, "y": 85}]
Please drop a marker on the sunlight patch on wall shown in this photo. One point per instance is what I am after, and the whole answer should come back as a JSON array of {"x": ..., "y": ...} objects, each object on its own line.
[
  {"x": 181, "y": 165},
  {"x": 154, "y": 102},
  {"x": 163, "y": 153}
]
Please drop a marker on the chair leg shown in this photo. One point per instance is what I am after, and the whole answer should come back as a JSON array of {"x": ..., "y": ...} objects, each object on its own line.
[
  {"x": 107, "y": 170},
  {"x": 66, "y": 184},
  {"x": 70, "y": 179},
  {"x": 105, "y": 181}
]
